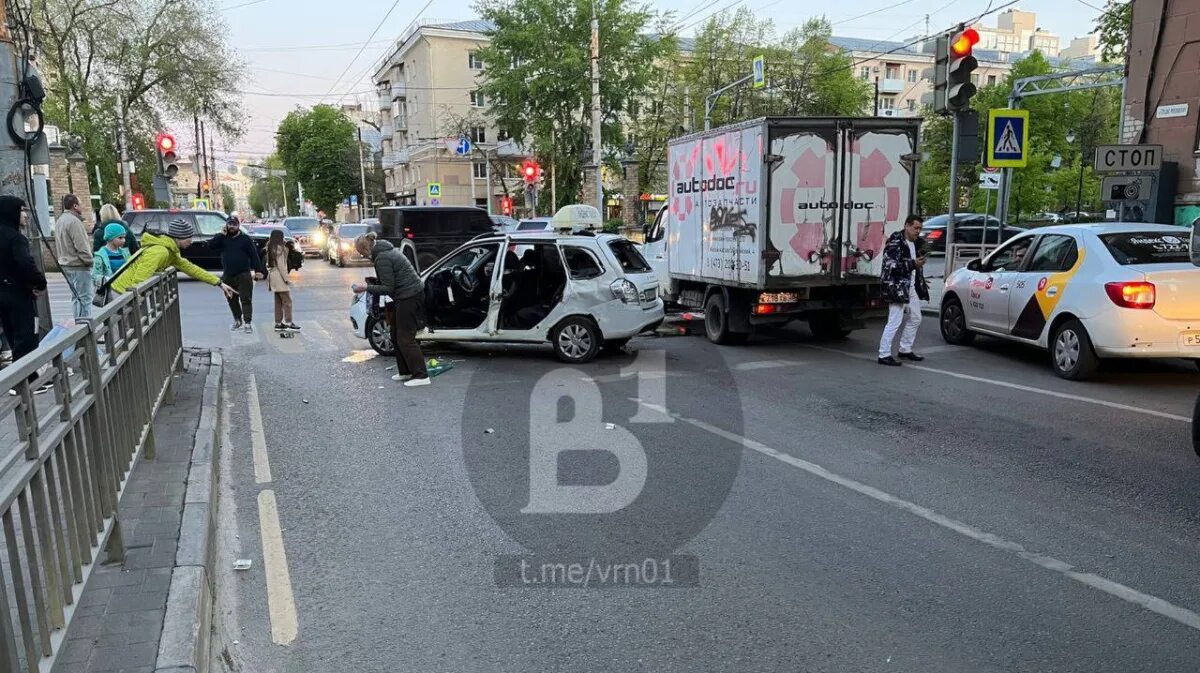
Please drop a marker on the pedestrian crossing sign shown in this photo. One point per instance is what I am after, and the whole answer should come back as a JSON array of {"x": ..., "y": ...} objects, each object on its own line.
[
  {"x": 200, "y": 204},
  {"x": 1008, "y": 138},
  {"x": 435, "y": 190}
]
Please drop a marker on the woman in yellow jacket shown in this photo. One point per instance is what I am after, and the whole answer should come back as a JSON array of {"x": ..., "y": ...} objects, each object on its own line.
[{"x": 160, "y": 251}]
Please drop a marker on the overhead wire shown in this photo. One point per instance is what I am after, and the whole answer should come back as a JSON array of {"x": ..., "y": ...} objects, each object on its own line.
[{"x": 363, "y": 48}]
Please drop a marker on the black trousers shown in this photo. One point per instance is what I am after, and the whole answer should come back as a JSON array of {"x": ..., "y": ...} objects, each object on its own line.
[
  {"x": 18, "y": 318},
  {"x": 407, "y": 317},
  {"x": 241, "y": 304}
]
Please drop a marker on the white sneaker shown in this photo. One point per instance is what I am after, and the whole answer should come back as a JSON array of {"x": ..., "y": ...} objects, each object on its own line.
[
  {"x": 249, "y": 328},
  {"x": 235, "y": 327},
  {"x": 413, "y": 383},
  {"x": 401, "y": 377}
]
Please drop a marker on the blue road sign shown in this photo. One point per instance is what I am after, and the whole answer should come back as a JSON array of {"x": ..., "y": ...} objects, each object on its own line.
[
  {"x": 760, "y": 73},
  {"x": 354, "y": 199},
  {"x": 463, "y": 148},
  {"x": 1008, "y": 138}
]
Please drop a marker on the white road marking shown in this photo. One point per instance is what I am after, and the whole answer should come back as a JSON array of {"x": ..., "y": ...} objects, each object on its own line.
[
  {"x": 281, "y": 602},
  {"x": 1151, "y": 603},
  {"x": 766, "y": 364},
  {"x": 1018, "y": 386},
  {"x": 258, "y": 437},
  {"x": 945, "y": 348}
]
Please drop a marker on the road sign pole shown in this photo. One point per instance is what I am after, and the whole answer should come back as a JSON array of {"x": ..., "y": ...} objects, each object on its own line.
[{"x": 953, "y": 196}]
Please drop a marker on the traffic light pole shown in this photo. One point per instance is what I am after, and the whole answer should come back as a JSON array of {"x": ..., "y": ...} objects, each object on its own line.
[
  {"x": 953, "y": 196},
  {"x": 124, "y": 154}
]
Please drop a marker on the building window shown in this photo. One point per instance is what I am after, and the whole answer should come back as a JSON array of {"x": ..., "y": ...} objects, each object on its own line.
[
  {"x": 912, "y": 75},
  {"x": 478, "y": 99},
  {"x": 474, "y": 62},
  {"x": 991, "y": 80},
  {"x": 975, "y": 80},
  {"x": 502, "y": 134},
  {"x": 887, "y": 103},
  {"x": 912, "y": 104},
  {"x": 865, "y": 73},
  {"x": 891, "y": 71},
  {"x": 479, "y": 170},
  {"x": 478, "y": 134}
]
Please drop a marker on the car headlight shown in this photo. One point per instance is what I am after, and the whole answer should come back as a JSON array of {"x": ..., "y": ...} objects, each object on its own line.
[
  {"x": 318, "y": 238},
  {"x": 346, "y": 246},
  {"x": 625, "y": 290}
]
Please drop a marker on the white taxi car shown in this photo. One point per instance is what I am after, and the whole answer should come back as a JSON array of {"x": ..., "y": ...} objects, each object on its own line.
[
  {"x": 1083, "y": 292},
  {"x": 574, "y": 287}
]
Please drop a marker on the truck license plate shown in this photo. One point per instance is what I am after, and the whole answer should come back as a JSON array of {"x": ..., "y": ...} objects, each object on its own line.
[{"x": 1189, "y": 338}]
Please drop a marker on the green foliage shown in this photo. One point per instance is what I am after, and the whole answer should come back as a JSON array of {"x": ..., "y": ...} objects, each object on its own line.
[
  {"x": 613, "y": 226},
  {"x": 228, "y": 201},
  {"x": 1113, "y": 27},
  {"x": 1068, "y": 126},
  {"x": 318, "y": 148},
  {"x": 537, "y": 75},
  {"x": 267, "y": 193},
  {"x": 92, "y": 53}
]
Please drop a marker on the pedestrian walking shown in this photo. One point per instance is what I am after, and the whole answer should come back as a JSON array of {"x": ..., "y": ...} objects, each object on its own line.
[
  {"x": 903, "y": 287},
  {"x": 20, "y": 283},
  {"x": 112, "y": 256},
  {"x": 73, "y": 248},
  {"x": 110, "y": 215},
  {"x": 278, "y": 282},
  {"x": 399, "y": 281},
  {"x": 162, "y": 250},
  {"x": 241, "y": 265}
]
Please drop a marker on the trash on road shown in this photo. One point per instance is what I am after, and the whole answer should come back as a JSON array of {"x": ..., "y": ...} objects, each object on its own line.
[
  {"x": 242, "y": 564},
  {"x": 304, "y": 401},
  {"x": 436, "y": 367},
  {"x": 489, "y": 431},
  {"x": 610, "y": 426}
]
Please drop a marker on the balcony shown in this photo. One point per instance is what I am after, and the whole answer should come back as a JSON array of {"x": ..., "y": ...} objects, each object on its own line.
[
  {"x": 399, "y": 90},
  {"x": 384, "y": 91},
  {"x": 510, "y": 148},
  {"x": 387, "y": 129},
  {"x": 400, "y": 122},
  {"x": 890, "y": 85},
  {"x": 400, "y": 157}
]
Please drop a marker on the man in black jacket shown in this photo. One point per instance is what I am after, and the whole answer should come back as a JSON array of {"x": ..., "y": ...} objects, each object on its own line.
[
  {"x": 20, "y": 281},
  {"x": 400, "y": 282},
  {"x": 239, "y": 259}
]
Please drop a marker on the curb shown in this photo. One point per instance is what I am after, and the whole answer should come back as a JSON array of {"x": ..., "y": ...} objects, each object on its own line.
[{"x": 187, "y": 625}]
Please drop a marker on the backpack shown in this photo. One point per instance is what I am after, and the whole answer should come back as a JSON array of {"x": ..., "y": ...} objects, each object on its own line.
[{"x": 295, "y": 259}]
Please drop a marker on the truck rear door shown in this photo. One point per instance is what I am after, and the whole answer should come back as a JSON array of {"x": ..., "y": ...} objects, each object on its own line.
[{"x": 839, "y": 188}]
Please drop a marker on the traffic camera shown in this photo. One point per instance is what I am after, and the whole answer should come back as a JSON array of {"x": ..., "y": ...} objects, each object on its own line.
[{"x": 167, "y": 156}]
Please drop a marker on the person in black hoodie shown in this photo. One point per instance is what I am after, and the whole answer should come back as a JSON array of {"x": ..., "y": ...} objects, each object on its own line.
[
  {"x": 239, "y": 259},
  {"x": 20, "y": 281}
]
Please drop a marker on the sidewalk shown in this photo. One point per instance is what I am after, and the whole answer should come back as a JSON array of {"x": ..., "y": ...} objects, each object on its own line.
[{"x": 120, "y": 617}]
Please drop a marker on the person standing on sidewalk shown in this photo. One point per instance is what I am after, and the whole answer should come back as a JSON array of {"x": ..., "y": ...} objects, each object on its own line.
[
  {"x": 277, "y": 280},
  {"x": 399, "y": 281},
  {"x": 110, "y": 215},
  {"x": 903, "y": 287},
  {"x": 241, "y": 266},
  {"x": 74, "y": 251},
  {"x": 20, "y": 282},
  {"x": 109, "y": 259},
  {"x": 162, "y": 252}
]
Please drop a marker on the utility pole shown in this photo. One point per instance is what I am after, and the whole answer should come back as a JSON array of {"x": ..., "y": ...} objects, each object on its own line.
[
  {"x": 196, "y": 160},
  {"x": 953, "y": 196},
  {"x": 213, "y": 175},
  {"x": 597, "y": 154},
  {"x": 876, "y": 95},
  {"x": 362, "y": 176},
  {"x": 124, "y": 153},
  {"x": 202, "y": 157}
]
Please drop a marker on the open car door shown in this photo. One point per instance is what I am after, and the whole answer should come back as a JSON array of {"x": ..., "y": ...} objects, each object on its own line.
[{"x": 458, "y": 292}]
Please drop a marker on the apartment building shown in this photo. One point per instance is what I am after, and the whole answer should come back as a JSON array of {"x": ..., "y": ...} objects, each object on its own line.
[
  {"x": 1015, "y": 32},
  {"x": 904, "y": 74},
  {"x": 1082, "y": 48},
  {"x": 428, "y": 90}
]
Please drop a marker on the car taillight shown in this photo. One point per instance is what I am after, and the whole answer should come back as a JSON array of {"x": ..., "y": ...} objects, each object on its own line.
[
  {"x": 408, "y": 233},
  {"x": 625, "y": 290},
  {"x": 1135, "y": 294},
  {"x": 934, "y": 235}
]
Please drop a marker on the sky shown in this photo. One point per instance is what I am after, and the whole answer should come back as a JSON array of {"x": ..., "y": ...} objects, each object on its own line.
[{"x": 311, "y": 55}]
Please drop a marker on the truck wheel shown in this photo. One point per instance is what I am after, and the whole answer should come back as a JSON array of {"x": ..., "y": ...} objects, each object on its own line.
[
  {"x": 1071, "y": 352},
  {"x": 576, "y": 340},
  {"x": 379, "y": 335},
  {"x": 716, "y": 322},
  {"x": 828, "y": 328},
  {"x": 954, "y": 323}
]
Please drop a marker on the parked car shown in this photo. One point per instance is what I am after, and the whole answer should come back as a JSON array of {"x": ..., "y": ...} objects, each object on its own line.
[
  {"x": 206, "y": 224},
  {"x": 307, "y": 233},
  {"x": 1043, "y": 219},
  {"x": 341, "y": 243},
  {"x": 425, "y": 234},
  {"x": 1083, "y": 292},
  {"x": 504, "y": 222},
  {"x": 261, "y": 232},
  {"x": 578, "y": 290},
  {"x": 968, "y": 229},
  {"x": 534, "y": 224}
]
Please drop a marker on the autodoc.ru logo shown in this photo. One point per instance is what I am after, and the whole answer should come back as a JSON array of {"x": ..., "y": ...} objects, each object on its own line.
[{"x": 591, "y": 469}]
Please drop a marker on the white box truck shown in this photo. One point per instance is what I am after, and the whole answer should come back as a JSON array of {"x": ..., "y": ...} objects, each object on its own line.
[{"x": 781, "y": 219}]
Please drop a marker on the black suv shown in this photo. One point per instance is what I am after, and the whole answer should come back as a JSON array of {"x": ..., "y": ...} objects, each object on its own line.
[
  {"x": 206, "y": 223},
  {"x": 968, "y": 229},
  {"x": 428, "y": 233}
]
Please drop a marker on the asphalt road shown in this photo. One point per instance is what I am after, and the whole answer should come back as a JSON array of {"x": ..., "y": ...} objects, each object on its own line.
[{"x": 972, "y": 514}]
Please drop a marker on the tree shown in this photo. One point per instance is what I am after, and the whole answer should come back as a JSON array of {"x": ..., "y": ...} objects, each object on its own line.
[
  {"x": 1113, "y": 26},
  {"x": 267, "y": 192},
  {"x": 319, "y": 149},
  {"x": 228, "y": 201},
  {"x": 94, "y": 54},
  {"x": 537, "y": 75}
]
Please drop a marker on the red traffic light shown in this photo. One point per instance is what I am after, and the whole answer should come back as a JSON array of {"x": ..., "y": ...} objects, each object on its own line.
[
  {"x": 165, "y": 143},
  {"x": 530, "y": 170},
  {"x": 506, "y": 205},
  {"x": 138, "y": 201},
  {"x": 964, "y": 43}
]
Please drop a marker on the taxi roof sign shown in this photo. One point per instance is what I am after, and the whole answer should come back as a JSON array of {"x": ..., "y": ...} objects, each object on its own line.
[
  {"x": 1008, "y": 138},
  {"x": 577, "y": 216}
]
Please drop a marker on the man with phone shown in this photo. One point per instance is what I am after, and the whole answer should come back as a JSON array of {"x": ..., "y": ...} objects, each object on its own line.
[
  {"x": 903, "y": 287},
  {"x": 239, "y": 260}
]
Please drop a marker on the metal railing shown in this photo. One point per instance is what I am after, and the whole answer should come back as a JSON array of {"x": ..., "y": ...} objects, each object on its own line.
[{"x": 66, "y": 456}]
